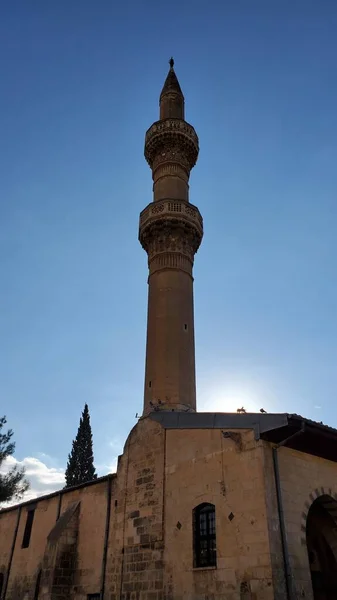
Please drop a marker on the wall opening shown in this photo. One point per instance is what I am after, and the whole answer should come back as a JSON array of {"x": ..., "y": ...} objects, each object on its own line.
[
  {"x": 204, "y": 536},
  {"x": 321, "y": 532},
  {"x": 28, "y": 528},
  {"x": 2, "y": 581}
]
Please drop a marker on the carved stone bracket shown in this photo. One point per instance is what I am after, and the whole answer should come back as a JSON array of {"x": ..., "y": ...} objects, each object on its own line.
[
  {"x": 235, "y": 436},
  {"x": 170, "y": 235}
]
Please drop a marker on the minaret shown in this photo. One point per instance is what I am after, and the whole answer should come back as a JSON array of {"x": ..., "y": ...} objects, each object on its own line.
[{"x": 170, "y": 231}]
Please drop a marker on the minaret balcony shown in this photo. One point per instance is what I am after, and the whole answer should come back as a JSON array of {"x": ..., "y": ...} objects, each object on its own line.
[
  {"x": 171, "y": 209},
  {"x": 168, "y": 133}
]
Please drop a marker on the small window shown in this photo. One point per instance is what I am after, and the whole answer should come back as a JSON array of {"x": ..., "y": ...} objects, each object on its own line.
[
  {"x": 93, "y": 596},
  {"x": 204, "y": 536},
  {"x": 2, "y": 579},
  {"x": 37, "y": 586},
  {"x": 28, "y": 528}
]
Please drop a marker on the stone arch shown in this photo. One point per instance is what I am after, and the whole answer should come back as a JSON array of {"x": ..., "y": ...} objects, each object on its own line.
[
  {"x": 321, "y": 540},
  {"x": 317, "y": 493}
]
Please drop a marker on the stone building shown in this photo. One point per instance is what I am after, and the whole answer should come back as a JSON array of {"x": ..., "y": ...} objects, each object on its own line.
[{"x": 203, "y": 506}]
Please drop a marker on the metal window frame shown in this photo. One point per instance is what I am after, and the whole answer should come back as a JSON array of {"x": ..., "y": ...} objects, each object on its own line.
[{"x": 208, "y": 509}]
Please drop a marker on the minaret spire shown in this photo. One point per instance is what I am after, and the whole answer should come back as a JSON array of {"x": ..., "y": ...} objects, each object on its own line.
[
  {"x": 171, "y": 98},
  {"x": 170, "y": 231}
]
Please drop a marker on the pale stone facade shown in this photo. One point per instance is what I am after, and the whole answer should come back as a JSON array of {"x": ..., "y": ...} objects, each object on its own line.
[
  {"x": 203, "y": 506},
  {"x": 130, "y": 535}
]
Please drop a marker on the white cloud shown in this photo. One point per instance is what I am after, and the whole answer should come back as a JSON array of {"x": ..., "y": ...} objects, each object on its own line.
[
  {"x": 116, "y": 444},
  {"x": 110, "y": 466},
  {"x": 104, "y": 469},
  {"x": 43, "y": 479}
]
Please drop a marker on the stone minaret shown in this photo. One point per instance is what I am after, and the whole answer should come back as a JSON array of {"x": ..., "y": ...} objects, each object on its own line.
[{"x": 170, "y": 231}]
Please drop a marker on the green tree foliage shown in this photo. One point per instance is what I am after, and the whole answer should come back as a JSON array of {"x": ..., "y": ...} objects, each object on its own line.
[
  {"x": 12, "y": 482},
  {"x": 80, "y": 466}
]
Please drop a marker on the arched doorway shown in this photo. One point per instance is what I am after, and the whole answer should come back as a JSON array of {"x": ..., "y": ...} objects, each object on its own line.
[{"x": 321, "y": 533}]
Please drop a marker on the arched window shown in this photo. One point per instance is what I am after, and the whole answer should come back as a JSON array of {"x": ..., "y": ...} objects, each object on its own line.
[
  {"x": 204, "y": 534},
  {"x": 2, "y": 579}
]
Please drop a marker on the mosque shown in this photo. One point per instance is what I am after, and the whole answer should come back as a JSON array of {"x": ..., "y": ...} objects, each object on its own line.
[{"x": 203, "y": 506}]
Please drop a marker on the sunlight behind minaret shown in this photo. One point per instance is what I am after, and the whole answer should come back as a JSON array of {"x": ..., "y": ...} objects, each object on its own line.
[{"x": 229, "y": 399}]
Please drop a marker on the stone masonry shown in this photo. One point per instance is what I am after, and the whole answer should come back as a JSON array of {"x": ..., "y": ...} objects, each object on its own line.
[{"x": 170, "y": 231}]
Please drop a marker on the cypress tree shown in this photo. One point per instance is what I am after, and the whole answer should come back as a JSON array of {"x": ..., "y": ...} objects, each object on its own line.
[{"x": 80, "y": 466}]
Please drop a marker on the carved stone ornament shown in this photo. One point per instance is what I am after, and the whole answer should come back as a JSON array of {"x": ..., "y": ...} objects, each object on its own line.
[
  {"x": 170, "y": 235},
  {"x": 171, "y": 140},
  {"x": 172, "y": 155},
  {"x": 171, "y": 226}
]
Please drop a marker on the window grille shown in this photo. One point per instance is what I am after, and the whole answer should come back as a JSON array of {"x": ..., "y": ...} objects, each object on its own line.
[{"x": 204, "y": 536}]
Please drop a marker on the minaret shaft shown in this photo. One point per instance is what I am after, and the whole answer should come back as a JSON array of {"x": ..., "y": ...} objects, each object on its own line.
[
  {"x": 170, "y": 356},
  {"x": 173, "y": 183},
  {"x": 170, "y": 231}
]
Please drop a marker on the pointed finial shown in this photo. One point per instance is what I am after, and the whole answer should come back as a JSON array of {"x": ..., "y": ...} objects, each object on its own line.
[{"x": 171, "y": 97}]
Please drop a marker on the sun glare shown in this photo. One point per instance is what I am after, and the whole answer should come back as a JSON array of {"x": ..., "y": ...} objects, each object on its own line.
[{"x": 229, "y": 400}]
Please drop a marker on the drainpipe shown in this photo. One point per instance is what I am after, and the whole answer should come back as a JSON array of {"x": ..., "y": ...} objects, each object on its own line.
[
  {"x": 12, "y": 553},
  {"x": 106, "y": 537},
  {"x": 285, "y": 551}
]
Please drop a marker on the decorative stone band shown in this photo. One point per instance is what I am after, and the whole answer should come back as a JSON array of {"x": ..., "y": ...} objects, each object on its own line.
[
  {"x": 171, "y": 233},
  {"x": 167, "y": 407},
  {"x": 169, "y": 170},
  {"x": 170, "y": 260},
  {"x": 171, "y": 140},
  {"x": 171, "y": 162}
]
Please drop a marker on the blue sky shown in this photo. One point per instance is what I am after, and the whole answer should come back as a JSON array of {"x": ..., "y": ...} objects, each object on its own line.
[{"x": 80, "y": 83}]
